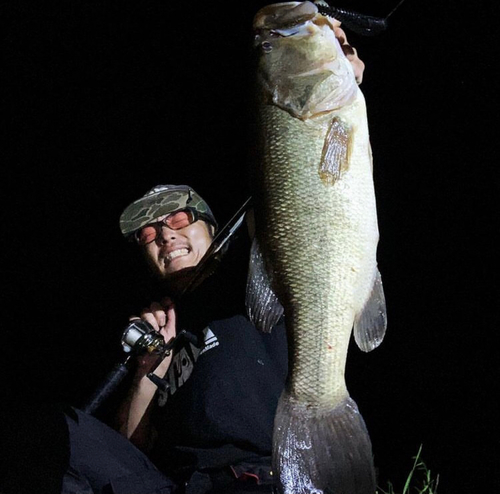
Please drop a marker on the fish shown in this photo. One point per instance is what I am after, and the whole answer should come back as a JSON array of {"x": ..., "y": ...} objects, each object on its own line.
[{"x": 313, "y": 257}]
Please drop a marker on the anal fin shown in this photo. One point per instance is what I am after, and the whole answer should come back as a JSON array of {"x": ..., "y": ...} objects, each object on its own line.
[{"x": 371, "y": 323}]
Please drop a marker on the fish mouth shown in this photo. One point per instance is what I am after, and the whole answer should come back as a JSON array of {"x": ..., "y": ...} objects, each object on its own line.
[
  {"x": 284, "y": 18},
  {"x": 287, "y": 20}
]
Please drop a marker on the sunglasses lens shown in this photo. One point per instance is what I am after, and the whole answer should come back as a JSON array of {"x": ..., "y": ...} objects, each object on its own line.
[
  {"x": 181, "y": 219},
  {"x": 146, "y": 235}
]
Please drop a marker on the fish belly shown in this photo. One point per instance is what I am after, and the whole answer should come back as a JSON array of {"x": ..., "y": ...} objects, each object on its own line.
[{"x": 319, "y": 242}]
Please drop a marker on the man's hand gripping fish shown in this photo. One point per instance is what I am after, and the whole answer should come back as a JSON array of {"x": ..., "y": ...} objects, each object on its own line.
[{"x": 315, "y": 246}]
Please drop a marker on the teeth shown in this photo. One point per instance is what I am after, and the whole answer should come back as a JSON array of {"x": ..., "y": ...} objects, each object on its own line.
[{"x": 177, "y": 253}]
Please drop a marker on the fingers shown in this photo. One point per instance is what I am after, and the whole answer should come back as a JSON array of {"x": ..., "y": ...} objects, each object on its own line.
[
  {"x": 340, "y": 34},
  {"x": 351, "y": 53},
  {"x": 162, "y": 317},
  {"x": 154, "y": 315},
  {"x": 334, "y": 22}
]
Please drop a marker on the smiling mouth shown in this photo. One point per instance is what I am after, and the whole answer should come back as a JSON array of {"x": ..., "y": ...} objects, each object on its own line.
[{"x": 176, "y": 253}]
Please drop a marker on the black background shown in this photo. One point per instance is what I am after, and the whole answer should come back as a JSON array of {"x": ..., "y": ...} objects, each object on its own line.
[{"x": 106, "y": 99}]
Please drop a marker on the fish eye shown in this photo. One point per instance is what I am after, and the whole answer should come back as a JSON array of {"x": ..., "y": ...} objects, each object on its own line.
[{"x": 266, "y": 46}]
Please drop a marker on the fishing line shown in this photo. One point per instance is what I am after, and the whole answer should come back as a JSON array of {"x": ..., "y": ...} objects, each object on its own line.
[{"x": 394, "y": 9}]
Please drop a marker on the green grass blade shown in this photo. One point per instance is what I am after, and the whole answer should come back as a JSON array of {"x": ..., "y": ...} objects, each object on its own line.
[{"x": 428, "y": 485}]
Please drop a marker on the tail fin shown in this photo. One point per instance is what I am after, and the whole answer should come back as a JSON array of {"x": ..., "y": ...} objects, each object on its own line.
[{"x": 318, "y": 451}]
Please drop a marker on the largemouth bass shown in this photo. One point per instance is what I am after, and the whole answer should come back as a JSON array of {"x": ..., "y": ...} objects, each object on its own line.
[{"x": 314, "y": 255}]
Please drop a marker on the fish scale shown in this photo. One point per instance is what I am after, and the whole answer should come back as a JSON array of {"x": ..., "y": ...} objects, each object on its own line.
[{"x": 319, "y": 238}]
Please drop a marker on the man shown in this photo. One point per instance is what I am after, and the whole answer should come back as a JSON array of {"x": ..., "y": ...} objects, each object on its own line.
[
  {"x": 213, "y": 430},
  {"x": 174, "y": 227}
]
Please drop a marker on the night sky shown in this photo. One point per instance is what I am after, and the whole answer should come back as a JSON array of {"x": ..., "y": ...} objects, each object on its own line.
[{"x": 106, "y": 99}]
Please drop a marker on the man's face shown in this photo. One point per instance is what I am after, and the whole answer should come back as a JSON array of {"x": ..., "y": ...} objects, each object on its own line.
[{"x": 174, "y": 250}]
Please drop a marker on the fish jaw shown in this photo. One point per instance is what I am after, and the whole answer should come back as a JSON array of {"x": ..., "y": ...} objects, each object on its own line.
[
  {"x": 302, "y": 68},
  {"x": 284, "y": 15}
]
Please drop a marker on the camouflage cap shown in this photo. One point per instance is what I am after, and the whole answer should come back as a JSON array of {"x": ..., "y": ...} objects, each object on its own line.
[{"x": 159, "y": 201}]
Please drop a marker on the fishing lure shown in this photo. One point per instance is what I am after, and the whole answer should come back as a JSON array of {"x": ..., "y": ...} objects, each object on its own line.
[{"x": 364, "y": 25}]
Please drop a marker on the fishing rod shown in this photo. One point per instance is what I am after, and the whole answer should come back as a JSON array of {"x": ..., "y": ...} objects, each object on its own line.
[
  {"x": 362, "y": 24},
  {"x": 140, "y": 337}
]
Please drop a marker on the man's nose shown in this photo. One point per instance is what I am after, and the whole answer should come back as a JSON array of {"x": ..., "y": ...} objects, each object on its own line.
[{"x": 166, "y": 235}]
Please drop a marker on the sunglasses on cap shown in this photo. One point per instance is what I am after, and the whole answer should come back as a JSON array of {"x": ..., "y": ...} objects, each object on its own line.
[{"x": 174, "y": 221}]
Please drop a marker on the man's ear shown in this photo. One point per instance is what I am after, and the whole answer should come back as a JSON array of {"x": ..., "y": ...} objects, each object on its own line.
[{"x": 211, "y": 230}]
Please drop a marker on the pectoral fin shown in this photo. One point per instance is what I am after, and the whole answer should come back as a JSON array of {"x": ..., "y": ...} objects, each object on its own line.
[
  {"x": 263, "y": 307},
  {"x": 371, "y": 323},
  {"x": 336, "y": 151}
]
